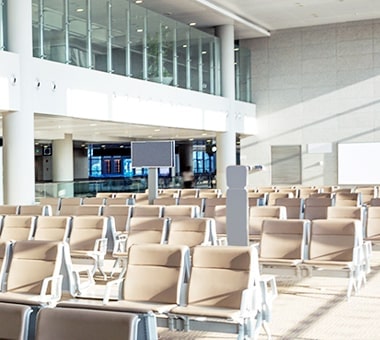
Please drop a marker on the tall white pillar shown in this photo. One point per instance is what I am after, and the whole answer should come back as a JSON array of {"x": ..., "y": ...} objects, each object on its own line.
[
  {"x": 18, "y": 127},
  {"x": 226, "y": 142},
  {"x": 63, "y": 165}
]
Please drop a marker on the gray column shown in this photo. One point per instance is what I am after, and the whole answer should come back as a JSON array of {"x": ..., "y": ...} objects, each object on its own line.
[
  {"x": 18, "y": 127},
  {"x": 226, "y": 142}
]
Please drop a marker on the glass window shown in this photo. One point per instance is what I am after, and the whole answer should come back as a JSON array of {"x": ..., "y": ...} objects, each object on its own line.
[
  {"x": 137, "y": 29},
  {"x": 242, "y": 74}
]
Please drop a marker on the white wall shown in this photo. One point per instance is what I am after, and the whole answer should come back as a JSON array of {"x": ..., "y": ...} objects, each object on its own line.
[{"x": 314, "y": 85}]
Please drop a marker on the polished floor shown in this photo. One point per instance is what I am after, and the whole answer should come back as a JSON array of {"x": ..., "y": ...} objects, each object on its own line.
[{"x": 315, "y": 309}]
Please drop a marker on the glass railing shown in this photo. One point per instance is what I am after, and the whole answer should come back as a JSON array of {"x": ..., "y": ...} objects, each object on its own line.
[
  {"x": 2, "y": 24},
  {"x": 89, "y": 188}
]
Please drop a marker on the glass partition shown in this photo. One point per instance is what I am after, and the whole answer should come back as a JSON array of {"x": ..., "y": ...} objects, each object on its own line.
[
  {"x": 243, "y": 74},
  {"x": 124, "y": 38}
]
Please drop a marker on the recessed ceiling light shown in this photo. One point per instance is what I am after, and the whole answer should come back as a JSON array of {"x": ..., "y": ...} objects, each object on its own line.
[
  {"x": 192, "y": 24},
  {"x": 184, "y": 45},
  {"x": 204, "y": 52},
  {"x": 157, "y": 130},
  {"x": 138, "y": 1},
  {"x": 139, "y": 30},
  {"x": 80, "y": 10}
]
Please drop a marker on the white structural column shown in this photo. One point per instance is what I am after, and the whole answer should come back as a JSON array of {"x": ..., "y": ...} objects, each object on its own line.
[
  {"x": 18, "y": 127},
  {"x": 226, "y": 142},
  {"x": 63, "y": 165}
]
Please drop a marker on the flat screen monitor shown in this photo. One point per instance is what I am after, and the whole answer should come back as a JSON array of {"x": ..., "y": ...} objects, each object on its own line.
[{"x": 149, "y": 154}]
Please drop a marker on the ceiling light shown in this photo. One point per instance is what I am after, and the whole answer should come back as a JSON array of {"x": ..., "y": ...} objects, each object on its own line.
[
  {"x": 138, "y": 1},
  {"x": 192, "y": 24},
  {"x": 184, "y": 45},
  {"x": 157, "y": 130},
  {"x": 204, "y": 52},
  {"x": 139, "y": 30},
  {"x": 79, "y": 10}
]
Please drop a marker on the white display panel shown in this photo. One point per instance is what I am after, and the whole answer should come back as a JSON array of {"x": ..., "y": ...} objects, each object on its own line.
[{"x": 359, "y": 163}]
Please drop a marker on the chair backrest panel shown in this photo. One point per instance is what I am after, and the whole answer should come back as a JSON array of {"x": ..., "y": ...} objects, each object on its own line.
[
  {"x": 85, "y": 230},
  {"x": 17, "y": 227},
  {"x": 52, "y": 228}
]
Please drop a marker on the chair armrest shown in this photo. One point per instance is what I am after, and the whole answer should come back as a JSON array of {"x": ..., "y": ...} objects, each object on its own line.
[
  {"x": 121, "y": 243},
  {"x": 55, "y": 283},
  {"x": 109, "y": 285},
  {"x": 100, "y": 246},
  {"x": 88, "y": 283},
  {"x": 251, "y": 301}
]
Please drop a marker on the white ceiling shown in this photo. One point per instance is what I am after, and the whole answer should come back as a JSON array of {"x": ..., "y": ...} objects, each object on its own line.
[{"x": 270, "y": 15}]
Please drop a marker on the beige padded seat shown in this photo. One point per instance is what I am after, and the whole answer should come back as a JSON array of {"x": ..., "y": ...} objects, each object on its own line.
[
  {"x": 53, "y": 202},
  {"x": 8, "y": 209},
  {"x": 88, "y": 241},
  {"x": 353, "y": 212},
  {"x": 169, "y": 193},
  {"x": 148, "y": 211},
  {"x": 88, "y": 210},
  {"x": 316, "y": 207},
  {"x": 85, "y": 324},
  {"x": 373, "y": 224},
  {"x": 165, "y": 200},
  {"x": 259, "y": 213},
  {"x": 140, "y": 230},
  {"x": 181, "y": 211},
  {"x": 367, "y": 193},
  {"x": 220, "y": 278},
  {"x": 348, "y": 199},
  {"x": 272, "y": 196},
  {"x": 126, "y": 195},
  {"x": 216, "y": 208},
  {"x": 335, "y": 248},
  {"x": 35, "y": 209},
  {"x": 192, "y": 232},
  {"x": 15, "y": 321},
  {"x": 283, "y": 245},
  {"x": 200, "y": 202},
  {"x": 141, "y": 198},
  {"x": 34, "y": 273},
  {"x": 17, "y": 228},
  {"x": 68, "y": 205},
  {"x": 105, "y": 194},
  {"x": 307, "y": 192},
  {"x": 117, "y": 201},
  {"x": 294, "y": 206},
  {"x": 189, "y": 193},
  {"x": 94, "y": 200},
  {"x": 52, "y": 228},
  {"x": 213, "y": 193},
  {"x": 119, "y": 215}
]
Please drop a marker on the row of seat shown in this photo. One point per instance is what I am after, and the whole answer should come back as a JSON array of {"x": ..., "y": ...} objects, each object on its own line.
[
  {"x": 154, "y": 293},
  {"x": 320, "y": 247}
]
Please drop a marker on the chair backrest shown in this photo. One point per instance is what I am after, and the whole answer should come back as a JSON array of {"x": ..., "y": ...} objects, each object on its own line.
[
  {"x": 193, "y": 193},
  {"x": 52, "y": 228},
  {"x": 334, "y": 239},
  {"x": 272, "y": 196},
  {"x": 147, "y": 230},
  {"x": 307, "y": 192},
  {"x": 105, "y": 194},
  {"x": 85, "y": 230},
  {"x": 15, "y": 321},
  {"x": 17, "y": 228},
  {"x": 93, "y": 200},
  {"x": 147, "y": 263},
  {"x": 316, "y": 207},
  {"x": 348, "y": 199},
  {"x": 69, "y": 205},
  {"x": 373, "y": 222},
  {"x": 169, "y": 193},
  {"x": 148, "y": 211},
  {"x": 119, "y": 214},
  {"x": 62, "y": 324},
  {"x": 53, "y": 202},
  {"x": 117, "y": 201},
  {"x": 375, "y": 202},
  {"x": 294, "y": 206},
  {"x": 9, "y": 209},
  {"x": 346, "y": 212},
  {"x": 210, "y": 203},
  {"x": 209, "y": 194},
  {"x": 165, "y": 200},
  {"x": 141, "y": 198},
  {"x": 36, "y": 210},
  {"x": 284, "y": 239},
  {"x": 367, "y": 193},
  {"x": 31, "y": 262},
  {"x": 200, "y": 202},
  {"x": 259, "y": 213},
  {"x": 220, "y": 274},
  {"x": 88, "y": 210},
  {"x": 181, "y": 211},
  {"x": 192, "y": 232},
  {"x": 219, "y": 214}
]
